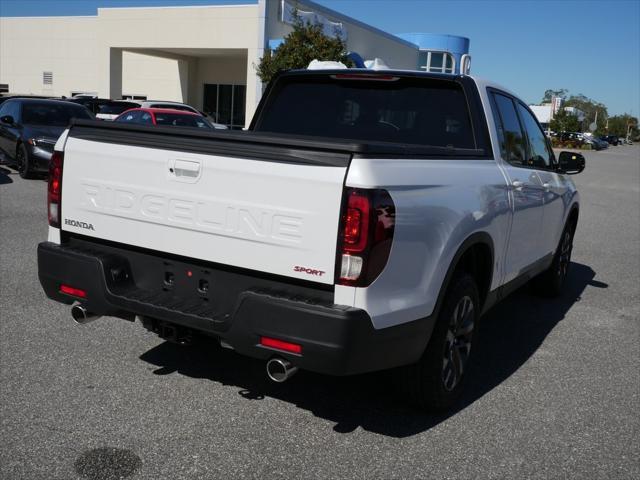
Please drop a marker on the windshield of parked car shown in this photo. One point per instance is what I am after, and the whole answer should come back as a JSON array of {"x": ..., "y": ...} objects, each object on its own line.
[
  {"x": 115, "y": 108},
  {"x": 376, "y": 108},
  {"x": 178, "y": 120},
  {"x": 53, "y": 114}
]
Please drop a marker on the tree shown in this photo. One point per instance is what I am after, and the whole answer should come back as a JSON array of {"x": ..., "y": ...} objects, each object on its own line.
[
  {"x": 549, "y": 94},
  {"x": 564, "y": 121},
  {"x": 589, "y": 107},
  {"x": 306, "y": 42},
  {"x": 620, "y": 124}
]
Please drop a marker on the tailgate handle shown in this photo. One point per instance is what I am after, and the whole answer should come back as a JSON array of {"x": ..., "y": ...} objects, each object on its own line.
[{"x": 185, "y": 169}]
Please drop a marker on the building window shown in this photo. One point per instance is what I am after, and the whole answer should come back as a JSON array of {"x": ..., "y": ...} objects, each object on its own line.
[
  {"x": 225, "y": 104},
  {"x": 438, "y": 62},
  {"x": 132, "y": 96},
  {"x": 47, "y": 78}
]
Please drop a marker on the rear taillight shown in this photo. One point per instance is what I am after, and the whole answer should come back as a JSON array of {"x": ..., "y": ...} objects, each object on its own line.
[
  {"x": 356, "y": 220},
  {"x": 368, "y": 222},
  {"x": 54, "y": 196}
]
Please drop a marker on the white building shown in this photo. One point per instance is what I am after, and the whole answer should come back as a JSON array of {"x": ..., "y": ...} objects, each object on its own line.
[
  {"x": 545, "y": 113},
  {"x": 205, "y": 56}
]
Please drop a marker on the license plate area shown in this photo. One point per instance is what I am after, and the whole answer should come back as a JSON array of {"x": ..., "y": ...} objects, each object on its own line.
[
  {"x": 172, "y": 284},
  {"x": 185, "y": 280}
]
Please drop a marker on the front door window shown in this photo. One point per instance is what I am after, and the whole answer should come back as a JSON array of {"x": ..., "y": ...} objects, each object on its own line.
[{"x": 539, "y": 154}]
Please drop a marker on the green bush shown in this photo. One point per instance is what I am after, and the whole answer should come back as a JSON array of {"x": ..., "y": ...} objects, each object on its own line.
[{"x": 575, "y": 144}]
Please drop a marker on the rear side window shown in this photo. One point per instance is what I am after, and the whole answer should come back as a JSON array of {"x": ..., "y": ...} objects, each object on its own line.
[
  {"x": 418, "y": 111},
  {"x": 512, "y": 142}
]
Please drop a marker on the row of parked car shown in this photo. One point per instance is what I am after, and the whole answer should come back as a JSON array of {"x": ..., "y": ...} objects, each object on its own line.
[
  {"x": 30, "y": 126},
  {"x": 105, "y": 109},
  {"x": 596, "y": 143}
]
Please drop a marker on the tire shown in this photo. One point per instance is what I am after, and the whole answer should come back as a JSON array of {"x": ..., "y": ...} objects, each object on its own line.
[
  {"x": 437, "y": 380},
  {"x": 550, "y": 283},
  {"x": 22, "y": 162}
]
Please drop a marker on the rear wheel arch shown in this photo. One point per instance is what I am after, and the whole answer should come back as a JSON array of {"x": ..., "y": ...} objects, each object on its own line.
[
  {"x": 18, "y": 146},
  {"x": 475, "y": 256},
  {"x": 550, "y": 283},
  {"x": 573, "y": 215}
]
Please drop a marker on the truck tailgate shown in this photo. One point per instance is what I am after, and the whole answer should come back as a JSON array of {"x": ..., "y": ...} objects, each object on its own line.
[{"x": 267, "y": 208}]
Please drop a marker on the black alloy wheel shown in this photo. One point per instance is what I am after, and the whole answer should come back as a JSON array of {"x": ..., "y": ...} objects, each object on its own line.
[
  {"x": 550, "y": 283},
  {"x": 437, "y": 380},
  {"x": 566, "y": 246},
  {"x": 457, "y": 346}
]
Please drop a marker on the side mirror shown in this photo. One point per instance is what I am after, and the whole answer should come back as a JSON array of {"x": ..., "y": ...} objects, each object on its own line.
[
  {"x": 7, "y": 119},
  {"x": 570, "y": 163}
]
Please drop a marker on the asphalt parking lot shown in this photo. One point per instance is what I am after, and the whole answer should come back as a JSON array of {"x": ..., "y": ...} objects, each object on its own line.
[{"x": 555, "y": 390}]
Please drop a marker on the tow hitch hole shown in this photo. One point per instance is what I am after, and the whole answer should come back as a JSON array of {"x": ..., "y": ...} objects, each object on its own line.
[
  {"x": 203, "y": 286},
  {"x": 168, "y": 279},
  {"x": 168, "y": 332},
  {"x": 119, "y": 274}
]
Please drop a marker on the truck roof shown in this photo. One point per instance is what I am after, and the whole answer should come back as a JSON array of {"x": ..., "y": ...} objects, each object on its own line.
[
  {"x": 480, "y": 81},
  {"x": 370, "y": 73}
]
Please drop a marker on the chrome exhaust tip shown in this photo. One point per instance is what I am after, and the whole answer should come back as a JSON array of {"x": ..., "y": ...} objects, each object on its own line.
[
  {"x": 81, "y": 315},
  {"x": 280, "y": 370}
]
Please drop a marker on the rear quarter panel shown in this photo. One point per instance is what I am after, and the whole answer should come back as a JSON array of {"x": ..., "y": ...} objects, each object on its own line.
[{"x": 439, "y": 204}]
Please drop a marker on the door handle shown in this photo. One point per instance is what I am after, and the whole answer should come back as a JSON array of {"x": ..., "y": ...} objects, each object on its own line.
[
  {"x": 187, "y": 171},
  {"x": 186, "y": 168},
  {"x": 517, "y": 185}
]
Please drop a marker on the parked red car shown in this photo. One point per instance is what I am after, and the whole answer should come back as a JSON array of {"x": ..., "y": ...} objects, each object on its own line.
[{"x": 164, "y": 116}]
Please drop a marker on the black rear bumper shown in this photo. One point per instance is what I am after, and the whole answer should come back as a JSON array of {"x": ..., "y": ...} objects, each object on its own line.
[{"x": 237, "y": 306}]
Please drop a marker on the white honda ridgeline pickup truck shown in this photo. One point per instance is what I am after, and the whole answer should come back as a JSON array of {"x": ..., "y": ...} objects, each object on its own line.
[{"x": 365, "y": 221}]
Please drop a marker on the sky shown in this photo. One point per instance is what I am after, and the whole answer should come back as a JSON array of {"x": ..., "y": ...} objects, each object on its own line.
[{"x": 590, "y": 47}]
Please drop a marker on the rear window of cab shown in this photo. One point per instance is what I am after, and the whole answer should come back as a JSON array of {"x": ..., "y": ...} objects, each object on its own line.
[{"x": 407, "y": 110}]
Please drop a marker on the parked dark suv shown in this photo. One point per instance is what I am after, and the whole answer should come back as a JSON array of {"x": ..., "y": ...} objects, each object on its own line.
[
  {"x": 29, "y": 129},
  {"x": 610, "y": 139},
  {"x": 8, "y": 96}
]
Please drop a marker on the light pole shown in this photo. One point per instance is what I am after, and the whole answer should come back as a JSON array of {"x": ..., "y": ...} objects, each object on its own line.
[{"x": 629, "y": 125}]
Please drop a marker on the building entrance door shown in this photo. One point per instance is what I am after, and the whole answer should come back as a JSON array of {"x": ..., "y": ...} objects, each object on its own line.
[{"x": 225, "y": 103}]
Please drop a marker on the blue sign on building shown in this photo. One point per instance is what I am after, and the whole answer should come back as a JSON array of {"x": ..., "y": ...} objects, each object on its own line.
[{"x": 440, "y": 53}]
